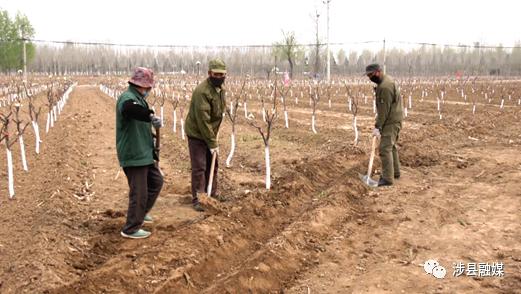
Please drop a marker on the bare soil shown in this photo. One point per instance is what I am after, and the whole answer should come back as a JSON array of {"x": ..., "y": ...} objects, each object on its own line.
[{"x": 319, "y": 230}]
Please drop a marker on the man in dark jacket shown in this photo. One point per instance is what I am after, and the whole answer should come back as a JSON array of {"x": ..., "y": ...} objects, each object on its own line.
[
  {"x": 388, "y": 122},
  {"x": 202, "y": 126},
  {"x": 136, "y": 151}
]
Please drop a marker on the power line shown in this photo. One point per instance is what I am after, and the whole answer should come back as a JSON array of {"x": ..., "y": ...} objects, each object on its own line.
[{"x": 254, "y": 45}]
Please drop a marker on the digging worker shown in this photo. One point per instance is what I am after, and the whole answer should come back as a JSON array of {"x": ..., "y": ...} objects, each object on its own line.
[
  {"x": 388, "y": 122},
  {"x": 136, "y": 151},
  {"x": 202, "y": 126}
]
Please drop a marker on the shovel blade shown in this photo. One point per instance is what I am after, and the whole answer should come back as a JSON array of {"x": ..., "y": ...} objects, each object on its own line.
[{"x": 368, "y": 181}]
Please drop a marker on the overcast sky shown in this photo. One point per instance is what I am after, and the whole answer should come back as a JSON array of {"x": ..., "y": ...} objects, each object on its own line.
[{"x": 236, "y": 22}]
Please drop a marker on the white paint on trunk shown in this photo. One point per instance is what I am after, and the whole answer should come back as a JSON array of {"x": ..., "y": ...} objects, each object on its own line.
[
  {"x": 313, "y": 124},
  {"x": 37, "y": 137},
  {"x": 410, "y": 101},
  {"x": 263, "y": 114},
  {"x": 350, "y": 103},
  {"x": 245, "y": 110},
  {"x": 182, "y": 129},
  {"x": 473, "y": 109},
  {"x": 286, "y": 119},
  {"x": 22, "y": 153},
  {"x": 231, "y": 108},
  {"x": 48, "y": 124},
  {"x": 502, "y": 103},
  {"x": 405, "y": 109},
  {"x": 162, "y": 118},
  {"x": 175, "y": 121},
  {"x": 10, "y": 179},
  {"x": 438, "y": 104},
  {"x": 232, "y": 151},
  {"x": 268, "y": 166},
  {"x": 329, "y": 103},
  {"x": 355, "y": 128}
]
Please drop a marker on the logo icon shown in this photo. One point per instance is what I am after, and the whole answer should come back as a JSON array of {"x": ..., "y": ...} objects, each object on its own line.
[{"x": 433, "y": 267}]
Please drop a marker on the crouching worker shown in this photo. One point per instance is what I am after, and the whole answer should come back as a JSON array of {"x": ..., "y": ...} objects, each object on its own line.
[{"x": 136, "y": 152}]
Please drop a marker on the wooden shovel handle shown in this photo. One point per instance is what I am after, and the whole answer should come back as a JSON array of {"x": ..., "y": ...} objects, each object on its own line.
[{"x": 371, "y": 158}]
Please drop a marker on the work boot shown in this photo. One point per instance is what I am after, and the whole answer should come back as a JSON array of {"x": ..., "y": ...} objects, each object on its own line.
[
  {"x": 197, "y": 206},
  {"x": 397, "y": 176},
  {"x": 384, "y": 182}
]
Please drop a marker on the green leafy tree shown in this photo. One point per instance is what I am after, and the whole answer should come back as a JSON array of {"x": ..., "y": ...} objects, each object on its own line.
[{"x": 13, "y": 32}]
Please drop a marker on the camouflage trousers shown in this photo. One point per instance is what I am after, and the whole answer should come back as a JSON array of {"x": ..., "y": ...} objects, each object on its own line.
[{"x": 389, "y": 153}]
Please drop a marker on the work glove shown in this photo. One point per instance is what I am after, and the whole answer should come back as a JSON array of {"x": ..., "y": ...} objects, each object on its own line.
[
  {"x": 214, "y": 150},
  {"x": 156, "y": 121},
  {"x": 376, "y": 132}
]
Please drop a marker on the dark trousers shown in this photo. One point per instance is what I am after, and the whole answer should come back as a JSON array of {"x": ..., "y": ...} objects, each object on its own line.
[
  {"x": 389, "y": 153},
  {"x": 201, "y": 160},
  {"x": 145, "y": 183}
]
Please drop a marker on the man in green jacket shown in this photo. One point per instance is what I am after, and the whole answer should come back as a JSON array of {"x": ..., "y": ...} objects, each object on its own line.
[
  {"x": 388, "y": 122},
  {"x": 136, "y": 151},
  {"x": 202, "y": 126}
]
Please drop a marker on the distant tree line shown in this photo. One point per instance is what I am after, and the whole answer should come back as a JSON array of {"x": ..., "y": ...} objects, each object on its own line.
[{"x": 421, "y": 61}]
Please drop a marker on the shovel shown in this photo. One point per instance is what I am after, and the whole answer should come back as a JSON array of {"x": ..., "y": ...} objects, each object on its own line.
[
  {"x": 367, "y": 178},
  {"x": 211, "y": 204},
  {"x": 212, "y": 168}
]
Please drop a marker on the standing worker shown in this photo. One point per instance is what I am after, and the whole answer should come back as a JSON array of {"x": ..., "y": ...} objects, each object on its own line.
[
  {"x": 202, "y": 126},
  {"x": 388, "y": 122},
  {"x": 136, "y": 151}
]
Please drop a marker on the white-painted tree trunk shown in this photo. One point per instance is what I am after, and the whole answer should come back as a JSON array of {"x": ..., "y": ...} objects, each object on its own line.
[
  {"x": 329, "y": 103},
  {"x": 245, "y": 110},
  {"x": 48, "y": 124},
  {"x": 410, "y": 101},
  {"x": 350, "y": 103},
  {"x": 22, "y": 153},
  {"x": 313, "y": 124},
  {"x": 162, "y": 118},
  {"x": 232, "y": 150},
  {"x": 286, "y": 122},
  {"x": 405, "y": 110},
  {"x": 355, "y": 128},
  {"x": 182, "y": 129},
  {"x": 263, "y": 114},
  {"x": 438, "y": 101},
  {"x": 10, "y": 179},
  {"x": 268, "y": 166},
  {"x": 55, "y": 116},
  {"x": 175, "y": 122},
  {"x": 231, "y": 108},
  {"x": 473, "y": 109},
  {"x": 37, "y": 137},
  {"x": 502, "y": 103}
]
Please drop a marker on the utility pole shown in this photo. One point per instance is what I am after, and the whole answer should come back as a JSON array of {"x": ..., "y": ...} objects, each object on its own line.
[{"x": 328, "y": 60}]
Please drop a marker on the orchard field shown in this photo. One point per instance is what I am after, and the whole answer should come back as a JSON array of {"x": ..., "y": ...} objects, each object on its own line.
[{"x": 318, "y": 229}]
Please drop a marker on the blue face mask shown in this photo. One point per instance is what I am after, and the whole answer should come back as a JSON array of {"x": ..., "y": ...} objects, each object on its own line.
[{"x": 145, "y": 94}]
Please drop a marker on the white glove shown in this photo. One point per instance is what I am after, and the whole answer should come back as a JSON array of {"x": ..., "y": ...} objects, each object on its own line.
[
  {"x": 214, "y": 150},
  {"x": 156, "y": 121},
  {"x": 376, "y": 132}
]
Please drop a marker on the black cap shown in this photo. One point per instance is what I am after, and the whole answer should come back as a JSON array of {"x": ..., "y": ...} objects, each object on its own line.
[{"x": 372, "y": 68}]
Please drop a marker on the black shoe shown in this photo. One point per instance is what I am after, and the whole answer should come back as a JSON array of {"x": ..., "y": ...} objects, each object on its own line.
[
  {"x": 384, "y": 182},
  {"x": 198, "y": 207},
  {"x": 397, "y": 176}
]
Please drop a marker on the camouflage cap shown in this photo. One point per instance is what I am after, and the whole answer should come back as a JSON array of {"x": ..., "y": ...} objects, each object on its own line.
[
  {"x": 217, "y": 66},
  {"x": 372, "y": 68},
  {"x": 142, "y": 77}
]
